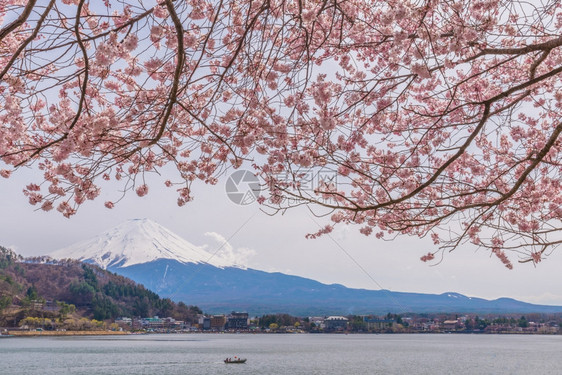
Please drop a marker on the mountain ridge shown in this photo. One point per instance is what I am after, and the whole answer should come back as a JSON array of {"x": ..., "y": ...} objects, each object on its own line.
[
  {"x": 257, "y": 292},
  {"x": 172, "y": 267}
]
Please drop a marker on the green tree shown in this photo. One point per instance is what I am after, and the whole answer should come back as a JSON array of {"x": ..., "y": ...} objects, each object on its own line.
[
  {"x": 31, "y": 293},
  {"x": 90, "y": 277},
  {"x": 523, "y": 323},
  {"x": 141, "y": 307},
  {"x": 266, "y": 320},
  {"x": 19, "y": 270},
  {"x": 165, "y": 307},
  {"x": 65, "y": 309},
  {"x": 82, "y": 292},
  {"x": 103, "y": 308},
  {"x": 7, "y": 257},
  {"x": 5, "y": 301},
  {"x": 358, "y": 324},
  {"x": 481, "y": 323}
]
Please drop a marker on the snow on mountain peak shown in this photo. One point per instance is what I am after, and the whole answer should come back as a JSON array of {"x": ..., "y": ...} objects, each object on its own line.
[{"x": 138, "y": 241}]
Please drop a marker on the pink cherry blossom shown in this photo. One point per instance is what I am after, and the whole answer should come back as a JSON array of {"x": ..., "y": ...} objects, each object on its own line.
[
  {"x": 427, "y": 257},
  {"x": 131, "y": 42},
  {"x": 142, "y": 190},
  {"x": 438, "y": 120},
  {"x": 47, "y": 206}
]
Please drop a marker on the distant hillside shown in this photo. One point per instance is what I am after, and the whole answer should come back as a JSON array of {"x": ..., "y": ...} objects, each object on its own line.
[
  {"x": 216, "y": 290},
  {"x": 163, "y": 262},
  {"x": 95, "y": 293}
]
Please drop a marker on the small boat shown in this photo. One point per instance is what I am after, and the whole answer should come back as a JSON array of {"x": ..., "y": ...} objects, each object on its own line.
[{"x": 235, "y": 360}]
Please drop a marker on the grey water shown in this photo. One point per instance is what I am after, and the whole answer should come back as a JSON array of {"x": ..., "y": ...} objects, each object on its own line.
[{"x": 283, "y": 354}]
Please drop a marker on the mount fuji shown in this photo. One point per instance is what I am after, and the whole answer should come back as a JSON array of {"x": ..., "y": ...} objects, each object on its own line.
[
  {"x": 139, "y": 241},
  {"x": 163, "y": 262}
]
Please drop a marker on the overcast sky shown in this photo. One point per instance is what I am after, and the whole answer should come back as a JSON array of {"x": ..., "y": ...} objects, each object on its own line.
[{"x": 277, "y": 243}]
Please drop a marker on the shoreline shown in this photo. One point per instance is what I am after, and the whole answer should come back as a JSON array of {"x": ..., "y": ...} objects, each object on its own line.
[
  {"x": 66, "y": 333},
  {"x": 16, "y": 333}
]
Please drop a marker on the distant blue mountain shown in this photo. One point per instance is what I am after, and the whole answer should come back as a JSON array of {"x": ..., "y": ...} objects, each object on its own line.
[
  {"x": 173, "y": 267},
  {"x": 219, "y": 290}
]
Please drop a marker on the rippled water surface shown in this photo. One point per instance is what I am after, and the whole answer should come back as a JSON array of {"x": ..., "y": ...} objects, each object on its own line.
[{"x": 283, "y": 354}]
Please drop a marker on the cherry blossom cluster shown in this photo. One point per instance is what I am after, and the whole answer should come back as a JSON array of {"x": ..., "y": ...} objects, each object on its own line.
[{"x": 441, "y": 119}]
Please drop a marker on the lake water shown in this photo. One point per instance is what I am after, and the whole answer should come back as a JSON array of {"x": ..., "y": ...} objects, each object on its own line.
[{"x": 292, "y": 354}]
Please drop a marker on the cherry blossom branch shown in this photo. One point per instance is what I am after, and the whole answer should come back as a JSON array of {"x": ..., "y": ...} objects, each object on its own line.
[
  {"x": 18, "y": 21},
  {"x": 28, "y": 40}
]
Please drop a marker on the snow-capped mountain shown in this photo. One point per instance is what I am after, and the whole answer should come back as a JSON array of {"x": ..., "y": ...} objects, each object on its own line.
[
  {"x": 138, "y": 241},
  {"x": 165, "y": 263}
]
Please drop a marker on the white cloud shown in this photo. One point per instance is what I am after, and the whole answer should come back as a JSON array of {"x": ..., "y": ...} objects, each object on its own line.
[{"x": 223, "y": 249}]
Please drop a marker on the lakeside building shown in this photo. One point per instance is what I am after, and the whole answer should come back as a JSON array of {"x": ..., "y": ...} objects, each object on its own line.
[
  {"x": 159, "y": 324},
  {"x": 238, "y": 321},
  {"x": 232, "y": 321},
  {"x": 317, "y": 321},
  {"x": 379, "y": 324},
  {"x": 124, "y": 320},
  {"x": 335, "y": 323},
  {"x": 218, "y": 322},
  {"x": 204, "y": 323},
  {"x": 451, "y": 325}
]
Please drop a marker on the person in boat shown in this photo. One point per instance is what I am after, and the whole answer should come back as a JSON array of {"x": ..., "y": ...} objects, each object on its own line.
[{"x": 235, "y": 360}]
